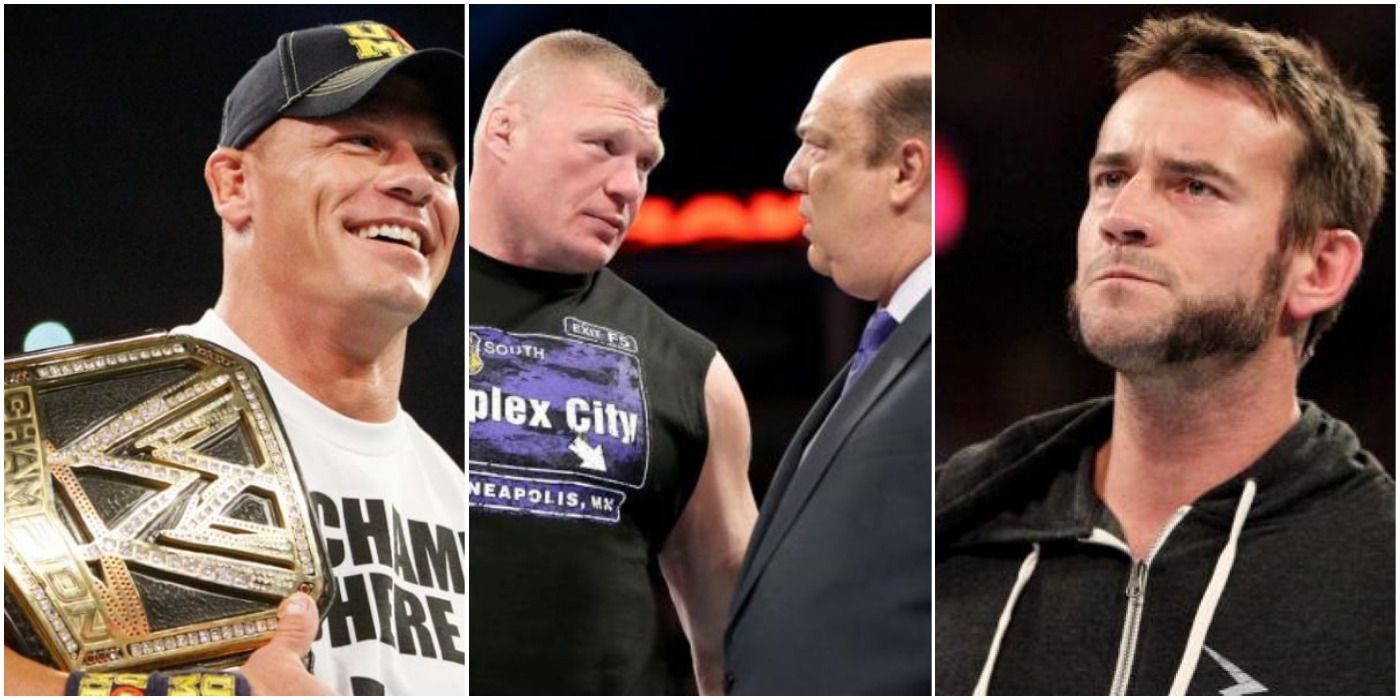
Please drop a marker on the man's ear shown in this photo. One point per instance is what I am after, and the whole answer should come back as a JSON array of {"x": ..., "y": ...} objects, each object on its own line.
[
  {"x": 226, "y": 174},
  {"x": 1327, "y": 272},
  {"x": 913, "y": 161},
  {"x": 501, "y": 131}
]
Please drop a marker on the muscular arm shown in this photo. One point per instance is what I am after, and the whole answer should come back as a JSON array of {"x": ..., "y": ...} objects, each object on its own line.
[{"x": 701, "y": 557}]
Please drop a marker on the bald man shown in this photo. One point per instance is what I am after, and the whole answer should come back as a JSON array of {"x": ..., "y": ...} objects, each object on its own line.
[
  {"x": 607, "y": 440},
  {"x": 834, "y": 593}
]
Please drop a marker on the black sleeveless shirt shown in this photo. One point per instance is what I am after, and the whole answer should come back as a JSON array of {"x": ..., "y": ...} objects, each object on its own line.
[{"x": 587, "y": 431}]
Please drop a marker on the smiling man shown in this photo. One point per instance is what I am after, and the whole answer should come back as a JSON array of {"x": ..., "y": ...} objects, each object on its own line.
[
  {"x": 1203, "y": 530},
  {"x": 333, "y": 180},
  {"x": 607, "y": 440}
]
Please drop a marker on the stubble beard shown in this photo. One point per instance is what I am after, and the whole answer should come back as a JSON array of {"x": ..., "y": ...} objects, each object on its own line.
[{"x": 1225, "y": 326}]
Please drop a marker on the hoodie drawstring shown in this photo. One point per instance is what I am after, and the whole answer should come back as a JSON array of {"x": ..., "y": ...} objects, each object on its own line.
[
  {"x": 1206, "y": 611},
  {"x": 1027, "y": 568}
]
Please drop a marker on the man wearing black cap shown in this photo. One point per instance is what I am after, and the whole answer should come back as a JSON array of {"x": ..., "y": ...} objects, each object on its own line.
[{"x": 334, "y": 182}]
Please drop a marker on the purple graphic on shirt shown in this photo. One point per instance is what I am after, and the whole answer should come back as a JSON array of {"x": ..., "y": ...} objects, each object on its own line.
[{"x": 548, "y": 405}]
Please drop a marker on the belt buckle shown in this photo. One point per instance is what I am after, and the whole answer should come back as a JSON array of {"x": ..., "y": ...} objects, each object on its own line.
[{"x": 154, "y": 513}]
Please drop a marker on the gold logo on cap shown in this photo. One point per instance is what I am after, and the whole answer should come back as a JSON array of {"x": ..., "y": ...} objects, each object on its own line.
[{"x": 373, "y": 41}]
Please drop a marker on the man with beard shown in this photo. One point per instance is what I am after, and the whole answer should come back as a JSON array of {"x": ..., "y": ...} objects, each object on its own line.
[{"x": 1134, "y": 544}]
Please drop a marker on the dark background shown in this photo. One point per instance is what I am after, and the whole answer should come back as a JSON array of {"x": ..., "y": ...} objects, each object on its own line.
[
  {"x": 1020, "y": 94},
  {"x": 109, "y": 116},
  {"x": 737, "y": 79}
]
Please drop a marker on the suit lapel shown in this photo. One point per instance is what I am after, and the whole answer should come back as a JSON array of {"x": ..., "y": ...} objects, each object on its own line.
[
  {"x": 782, "y": 476},
  {"x": 796, "y": 478}
]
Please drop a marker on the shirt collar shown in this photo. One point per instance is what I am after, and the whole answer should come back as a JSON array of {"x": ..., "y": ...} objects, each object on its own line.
[{"x": 911, "y": 290}]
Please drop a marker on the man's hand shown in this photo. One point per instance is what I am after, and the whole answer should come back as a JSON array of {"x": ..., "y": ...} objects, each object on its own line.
[{"x": 276, "y": 669}]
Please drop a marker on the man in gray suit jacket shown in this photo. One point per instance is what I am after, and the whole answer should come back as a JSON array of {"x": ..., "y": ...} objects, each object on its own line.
[{"x": 834, "y": 595}]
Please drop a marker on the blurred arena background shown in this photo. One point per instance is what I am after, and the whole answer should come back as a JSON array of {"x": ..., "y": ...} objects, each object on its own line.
[
  {"x": 110, "y": 113},
  {"x": 1019, "y": 96}
]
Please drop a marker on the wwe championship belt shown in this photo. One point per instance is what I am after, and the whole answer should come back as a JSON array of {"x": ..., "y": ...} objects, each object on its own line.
[{"x": 154, "y": 515}]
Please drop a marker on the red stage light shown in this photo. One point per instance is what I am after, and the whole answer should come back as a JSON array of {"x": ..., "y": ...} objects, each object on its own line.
[
  {"x": 950, "y": 199},
  {"x": 769, "y": 217}
]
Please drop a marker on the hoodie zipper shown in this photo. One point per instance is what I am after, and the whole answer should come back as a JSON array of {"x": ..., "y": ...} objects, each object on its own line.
[{"x": 1137, "y": 588}]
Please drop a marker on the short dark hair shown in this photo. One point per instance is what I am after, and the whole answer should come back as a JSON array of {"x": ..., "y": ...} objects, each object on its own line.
[
  {"x": 899, "y": 108},
  {"x": 1339, "y": 172},
  {"x": 572, "y": 47}
]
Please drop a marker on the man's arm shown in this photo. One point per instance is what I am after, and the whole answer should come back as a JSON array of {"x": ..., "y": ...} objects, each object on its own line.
[
  {"x": 702, "y": 555},
  {"x": 275, "y": 669},
  {"x": 28, "y": 677}
]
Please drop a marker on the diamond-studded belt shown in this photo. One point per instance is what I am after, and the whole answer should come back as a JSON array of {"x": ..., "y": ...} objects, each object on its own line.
[{"x": 154, "y": 514}]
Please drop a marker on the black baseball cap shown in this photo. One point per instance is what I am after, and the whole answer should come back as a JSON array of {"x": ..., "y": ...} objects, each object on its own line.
[{"x": 326, "y": 70}]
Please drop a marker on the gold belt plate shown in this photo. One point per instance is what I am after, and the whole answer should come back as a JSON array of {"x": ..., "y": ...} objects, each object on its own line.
[{"x": 154, "y": 513}]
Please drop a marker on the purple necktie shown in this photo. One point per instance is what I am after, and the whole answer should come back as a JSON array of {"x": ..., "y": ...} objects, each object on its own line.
[{"x": 877, "y": 329}]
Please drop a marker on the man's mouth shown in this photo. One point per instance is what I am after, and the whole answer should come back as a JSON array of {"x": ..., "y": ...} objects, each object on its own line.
[
  {"x": 610, "y": 226},
  {"x": 1120, "y": 272},
  {"x": 392, "y": 234},
  {"x": 614, "y": 220}
]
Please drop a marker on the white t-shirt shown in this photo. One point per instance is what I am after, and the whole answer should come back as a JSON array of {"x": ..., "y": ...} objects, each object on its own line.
[{"x": 392, "y": 509}]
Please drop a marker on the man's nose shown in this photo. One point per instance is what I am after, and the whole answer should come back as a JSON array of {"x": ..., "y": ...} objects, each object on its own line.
[
  {"x": 795, "y": 177},
  {"x": 626, "y": 185},
  {"x": 405, "y": 177},
  {"x": 1129, "y": 218}
]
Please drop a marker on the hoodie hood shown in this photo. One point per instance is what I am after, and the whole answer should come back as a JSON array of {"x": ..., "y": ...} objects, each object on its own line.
[{"x": 1031, "y": 483}]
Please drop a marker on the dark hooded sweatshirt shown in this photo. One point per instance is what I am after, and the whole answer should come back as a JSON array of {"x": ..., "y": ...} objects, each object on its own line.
[{"x": 1279, "y": 581}]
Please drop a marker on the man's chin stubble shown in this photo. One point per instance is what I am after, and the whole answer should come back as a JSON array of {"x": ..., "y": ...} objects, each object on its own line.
[{"x": 1220, "y": 327}]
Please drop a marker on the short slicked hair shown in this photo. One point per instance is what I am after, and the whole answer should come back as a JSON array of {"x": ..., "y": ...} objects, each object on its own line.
[
  {"x": 571, "y": 47},
  {"x": 1339, "y": 172},
  {"x": 900, "y": 108}
]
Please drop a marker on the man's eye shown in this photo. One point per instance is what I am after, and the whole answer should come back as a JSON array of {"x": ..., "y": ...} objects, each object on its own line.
[
  {"x": 1196, "y": 188},
  {"x": 364, "y": 140},
  {"x": 607, "y": 145},
  {"x": 1111, "y": 179},
  {"x": 436, "y": 163}
]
